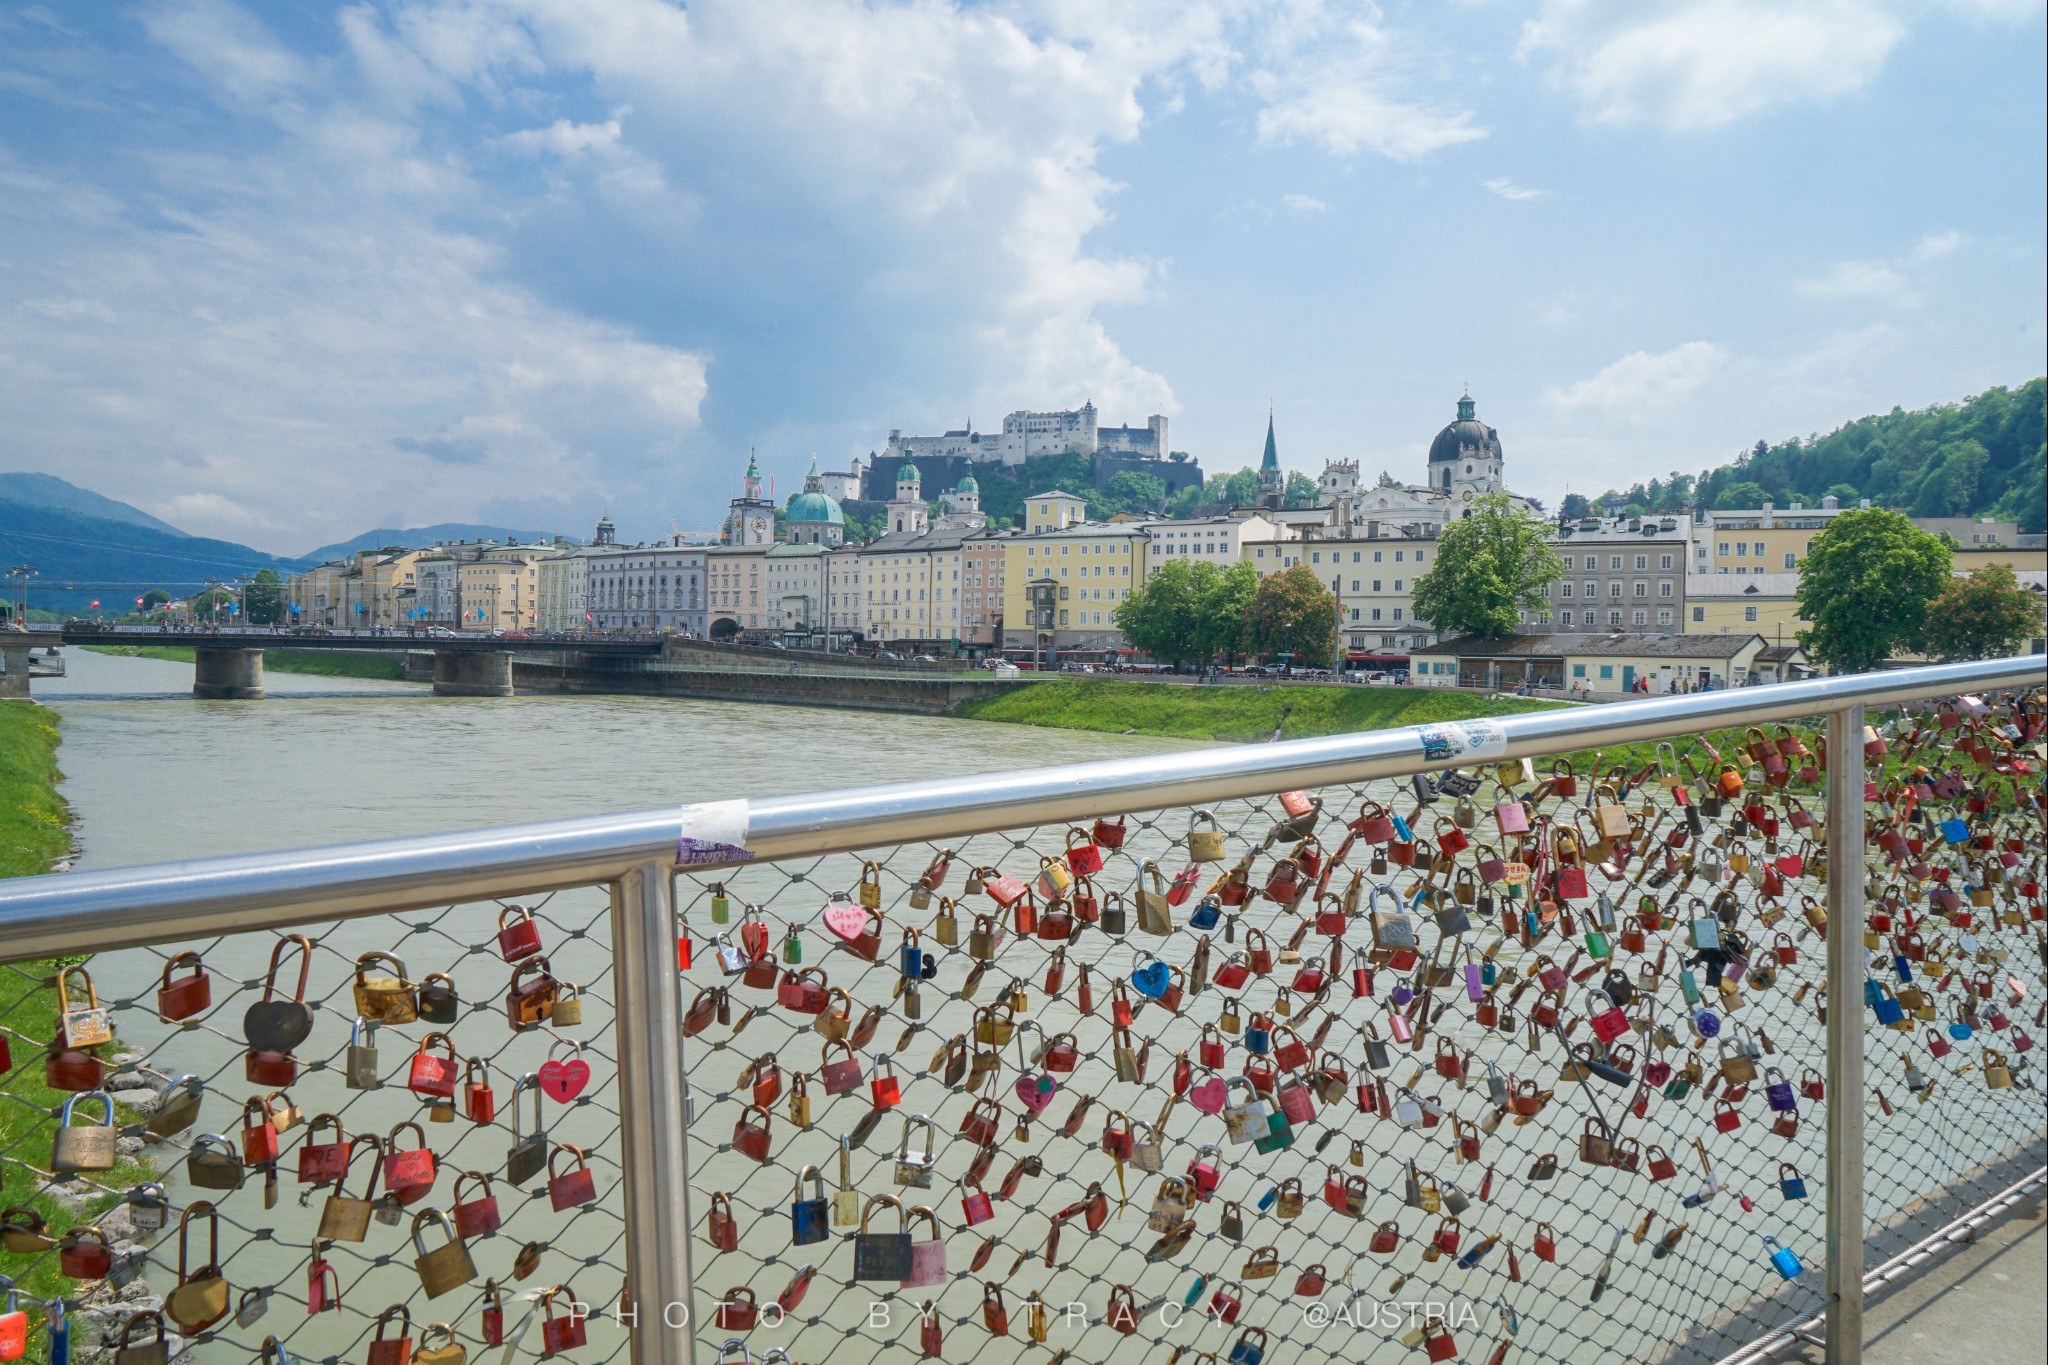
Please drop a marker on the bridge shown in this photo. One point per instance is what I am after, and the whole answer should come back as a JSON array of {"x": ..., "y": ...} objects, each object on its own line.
[{"x": 228, "y": 664}]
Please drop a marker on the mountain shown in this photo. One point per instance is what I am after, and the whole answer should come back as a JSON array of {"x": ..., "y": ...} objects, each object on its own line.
[
  {"x": 1985, "y": 456},
  {"x": 419, "y": 537},
  {"x": 78, "y": 557},
  {"x": 47, "y": 490}
]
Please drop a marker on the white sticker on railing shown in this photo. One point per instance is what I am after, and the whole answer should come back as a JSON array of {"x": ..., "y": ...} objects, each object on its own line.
[
  {"x": 1462, "y": 740},
  {"x": 714, "y": 832}
]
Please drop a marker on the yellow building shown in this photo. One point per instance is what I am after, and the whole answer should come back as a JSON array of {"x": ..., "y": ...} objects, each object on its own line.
[
  {"x": 734, "y": 600},
  {"x": 1761, "y": 604},
  {"x": 910, "y": 585},
  {"x": 1062, "y": 584},
  {"x": 500, "y": 588}
]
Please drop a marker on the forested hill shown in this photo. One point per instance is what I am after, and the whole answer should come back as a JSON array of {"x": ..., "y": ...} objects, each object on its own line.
[{"x": 1984, "y": 456}]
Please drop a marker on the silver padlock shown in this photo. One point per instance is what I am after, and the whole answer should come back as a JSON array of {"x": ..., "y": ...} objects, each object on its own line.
[
  {"x": 147, "y": 1207},
  {"x": 914, "y": 1168},
  {"x": 362, "y": 1056}
]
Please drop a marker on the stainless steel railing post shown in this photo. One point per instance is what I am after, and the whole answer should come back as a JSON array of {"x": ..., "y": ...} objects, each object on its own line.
[
  {"x": 1846, "y": 846},
  {"x": 649, "y": 1031}
]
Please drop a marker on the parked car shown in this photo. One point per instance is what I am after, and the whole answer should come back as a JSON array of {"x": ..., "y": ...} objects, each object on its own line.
[
  {"x": 888, "y": 654},
  {"x": 1003, "y": 668}
]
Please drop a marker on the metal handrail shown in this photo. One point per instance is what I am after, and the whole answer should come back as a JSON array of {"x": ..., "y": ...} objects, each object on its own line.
[
  {"x": 635, "y": 854},
  {"x": 125, "y": 907}
]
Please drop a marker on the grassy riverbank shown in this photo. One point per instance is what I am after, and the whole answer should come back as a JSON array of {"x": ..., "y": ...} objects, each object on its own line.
[
  {"x": 325, "y": 663},
  {"x": 33, "y": 836},
  {"x": 1232, "y": 712}
]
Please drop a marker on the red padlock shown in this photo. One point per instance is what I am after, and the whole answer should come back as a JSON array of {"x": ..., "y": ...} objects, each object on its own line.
[
  {"x": 493, "y": 1327},
  {"x": 569, "y": 1189},
  {"x": 520, "y": 937},
  {"x": 566, "y": 1333},
  {"x": 323, "y": 1287},
  {"x": 1545, "y": 1245},
  {"x": 187, "y": 996},
  {"x": 479, "y": 1102},
  {"x": 478, "y": 1217},
  {"x": 320, "y": 1162},
  {"x": 84, "y": 1254},
  {"x": 259, "y": 1137},
  {"x": 994, "y": 1315},
  {"x": 431, "y": 1075}
]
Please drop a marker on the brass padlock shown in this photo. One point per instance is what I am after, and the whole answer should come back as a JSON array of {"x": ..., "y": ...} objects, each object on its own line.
[
  {"x": 569, "y": 1004},
  {"x": 177, "y": 1106},
  {"x": 946, "y": 928},
  {"x": 1205, "y": 840},
  {"x": 81, "y": 1026},
  {"x": 90, "y": 1148},
  {"x": 384, "y": 999},
  {"x": 447, "y": 1266},
  {"x": 213, "y": 1163},
  {"x": 362, "y": 1056}
]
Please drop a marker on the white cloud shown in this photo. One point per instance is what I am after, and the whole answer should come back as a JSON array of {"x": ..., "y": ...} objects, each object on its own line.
[
  {"x": 1508, "y": 189},
  {"x": 1700, "y": 64},
  {"x": 1642, "y": 384},
  {"x": 1342, "y": 87},
  {"x": 566, "y": 139},
  {"x": 1856, "y": 280},
  {"x": 1303, "y": 205},
  {"x": 1937, "y": 244}
]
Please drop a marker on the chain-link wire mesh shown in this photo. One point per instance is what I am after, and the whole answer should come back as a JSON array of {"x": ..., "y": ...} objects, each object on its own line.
[
  {"x": 1705, "y": 1115},
  {"x": 275, "y": 1266}
]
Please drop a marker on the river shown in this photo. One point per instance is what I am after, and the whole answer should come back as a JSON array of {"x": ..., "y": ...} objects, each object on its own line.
[{"x": 153, "y": 775}]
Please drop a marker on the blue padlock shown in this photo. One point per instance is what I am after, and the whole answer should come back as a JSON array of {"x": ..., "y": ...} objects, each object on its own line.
[
  {"x": 1195, "y": 1291},
  {"x": 1783, "y": 1261},
  {"x": 1889, "y": 1010},
  {"x": 1401, "y": 995},
  {"x": 1960, "y": 1030},
  {"x": 1953, "y": 830},
  {"x": 1872, "y": 991},
  {"x": 1778, "y": 1091},
  {"x": 1258, "y": 1040},
  {"x": 1689, "y": 986},
  {"x": 1903, "y": 967},
  {"x": 1405, "y": 835},
  {"x": 1246, "y": 1351},
  {"x": 1707, "y": 1024},
  {"x": 1207, "y": 915},
  {"x": 909, "y": 959},
  {"x": 1791, "y": 1184},
  {"x": 1152, "y": 980},
  {"x": 1489, "y": 973},
  {"x": 1269, "y": 1199}
]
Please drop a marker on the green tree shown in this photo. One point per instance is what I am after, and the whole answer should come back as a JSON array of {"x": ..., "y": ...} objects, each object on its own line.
[
  {"x": 1984, "y": 615},
  {"x": 1491, "y": 566},
  {"x": 154, "y": 598},
  {"x": 1128, "y": 491},
  {"x": 1301, "y": 490},
  {"x": 1843, "y": 493},
  {"x": 1164, "y": 618},
  {"x": 1746, "y": 494},
  {"x": 1575, "y": 507},
  {"x": 1293, "y": 613},
  {"x": 263, "y": 599},
  {"x": 1866, "y": 583},
  {"x": 1226, "y": 613}
]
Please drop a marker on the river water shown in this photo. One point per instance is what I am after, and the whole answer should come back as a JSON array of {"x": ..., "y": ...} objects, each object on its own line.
[{"x": 152, "y": 774}]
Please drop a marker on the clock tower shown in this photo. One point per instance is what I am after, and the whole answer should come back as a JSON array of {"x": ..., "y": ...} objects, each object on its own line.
[{"x": 752, "y": 519}]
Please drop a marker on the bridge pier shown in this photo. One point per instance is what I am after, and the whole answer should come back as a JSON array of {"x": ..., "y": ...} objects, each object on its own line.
[
  {"x": 227, "y": 674},
  {"x": 461, "y": 673},
  {"x": 14, "y": 682}
]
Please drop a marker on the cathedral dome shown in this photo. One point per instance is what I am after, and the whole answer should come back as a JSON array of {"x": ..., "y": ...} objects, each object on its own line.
[
  {"x": 1464, "y": 437},
  {"x": 815, "y": 506},
  {"x": 967, "y": 485},
  {"x": 907, "y": 473}
]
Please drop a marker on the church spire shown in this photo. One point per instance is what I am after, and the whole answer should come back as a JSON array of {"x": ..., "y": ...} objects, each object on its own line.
[{"x": 1271, "y": 459}]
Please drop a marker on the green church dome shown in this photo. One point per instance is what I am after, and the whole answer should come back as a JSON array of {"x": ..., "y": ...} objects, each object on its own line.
[{"x": 814, "y": 506}]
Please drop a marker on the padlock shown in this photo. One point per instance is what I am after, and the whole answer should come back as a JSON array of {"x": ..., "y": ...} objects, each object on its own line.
[
  {"x": 188, "y": 995},
  {"x": 90, "y": 1148},
  {"x": 571, "y": 1188},
  {"x": 200, "y": 1298},
  {"x": 432, "y": 1075},
  {"x": 1791, "y": 1184},
  {"x": 519, "y": 933},
  {"x": 447, "y": 1266},
  {"x": 395, "y": 1349},
  {"x": 342, "y": 1218},
  {"x": 478, "y": 1217},
  {"x": 384, "y": 999},
  {"x": 479, "y": 1101},
  {"x": 408, "y": 1171},
  {"x": 85, "y": 1254},
  {"x": 147, "y": 1207},
  {"x": 568, "y": 1011},
  {"x": 128, "y": 1351},
  {"x": 881, "y": 1255},
  {"x": 810, "y": 1219},
  {"x": 531, "y": 993},
  {"x": 1782, "y": 1260},
  {"x": 529, "y": 1151},
  {"x": 438, "y": 1002}
]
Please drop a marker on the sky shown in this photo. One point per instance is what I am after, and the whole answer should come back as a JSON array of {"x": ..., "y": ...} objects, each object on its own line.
[{"x": 283, "y": 272}]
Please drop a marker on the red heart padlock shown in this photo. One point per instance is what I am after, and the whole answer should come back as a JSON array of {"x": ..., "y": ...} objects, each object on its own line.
[{"x": 563, "y": 1081}]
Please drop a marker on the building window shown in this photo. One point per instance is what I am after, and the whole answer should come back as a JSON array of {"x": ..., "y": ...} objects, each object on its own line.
[
  {"x": 1613, "y": 618},
  {"x": 1642, "y": 561},
  {"x": 1578, "y": 670},
  {"x": 1640, "y": 618},
  {"x": 1642, "y": 588},
  {"x": 1721, "y": 549},
  {"x": 1564, "y": 618},
  {"x": 1607, "y": 670},
  {"x": 1664, "y": 588},
  {"x": 1663, "y": 616},
  {"x": 1564, "y": 590},
  {"x": 1667, "y": 562},
  {"x": 1791, "y": 560},
  {"x": 1614, "y": 561},
  {"x": 1759, "y": 550},
  {"x": 1614, "y": 587},
  {"x": 1749, "y": 613}
]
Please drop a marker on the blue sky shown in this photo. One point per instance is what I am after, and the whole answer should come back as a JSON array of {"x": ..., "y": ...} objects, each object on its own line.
[{"x": 283, "y": 272}]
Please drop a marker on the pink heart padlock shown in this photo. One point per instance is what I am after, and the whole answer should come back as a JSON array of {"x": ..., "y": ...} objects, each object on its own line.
[
  {"x": 1210, "y": 1096},
  {"x": 1036, "y": 1092},
  {"x": 563, "y": 1081},
  {"x": 846, "y": 920}
]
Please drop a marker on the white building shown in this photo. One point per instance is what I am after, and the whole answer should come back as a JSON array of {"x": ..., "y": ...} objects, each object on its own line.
[
  {"x": 1221, "y": 541},
  {"x": 843, "y": 611},
  {"x": 647, "y": 587},
  {"x": 795, "y": 589},
  {"x": 1028, "y": 435}
]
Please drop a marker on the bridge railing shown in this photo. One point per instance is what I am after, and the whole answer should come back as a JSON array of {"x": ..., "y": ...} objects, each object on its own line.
[{"x": 1605, "y": 1201}]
